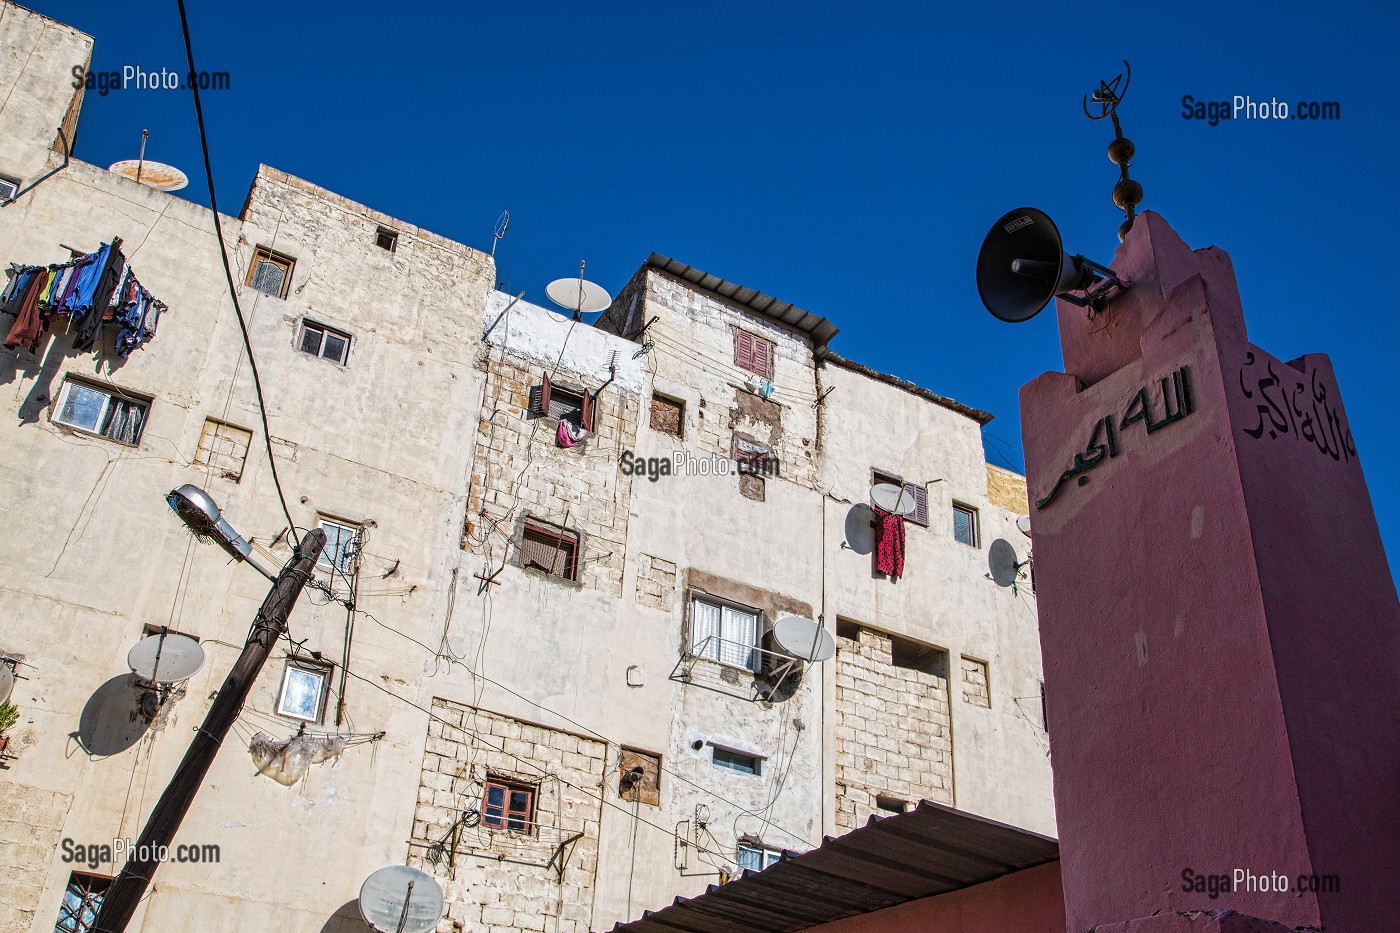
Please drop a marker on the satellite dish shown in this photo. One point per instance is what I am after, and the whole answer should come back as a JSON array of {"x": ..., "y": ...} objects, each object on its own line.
[
  {"x": 1023, "y": 523},
  {"x": 7, "y": 682},
  {"x": 1002, "y": 564},
  {"x": 1023, "y": 264},
  {"x": 578, "y": 295},
  {"x": 803, "y": 638},
  {"x": 156, "y": 174},
  {"x": 399, "y": 899},
  {"x": 166, "y": 659},
  {"x": 893, "y": 499}
]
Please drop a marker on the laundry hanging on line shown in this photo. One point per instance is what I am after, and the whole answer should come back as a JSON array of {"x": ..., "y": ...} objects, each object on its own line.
[{"x": 87, "y": 295}]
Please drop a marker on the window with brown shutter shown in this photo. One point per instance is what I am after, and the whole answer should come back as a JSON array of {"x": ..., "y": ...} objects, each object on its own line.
[
  {"x": 552, "y": 551},
  {"x": 753, "y": 353},
  {"x": 914, "y": 491},
  {"x": 548, "y": 400}
]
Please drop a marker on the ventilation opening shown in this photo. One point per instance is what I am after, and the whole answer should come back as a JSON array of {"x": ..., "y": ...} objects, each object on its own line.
[{"x": 914, "y": 656}]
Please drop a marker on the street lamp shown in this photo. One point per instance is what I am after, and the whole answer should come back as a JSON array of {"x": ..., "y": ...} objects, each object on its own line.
[{"x": 197, "y": 510}]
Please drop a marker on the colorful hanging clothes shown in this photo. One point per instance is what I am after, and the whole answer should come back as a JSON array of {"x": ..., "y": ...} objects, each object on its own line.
[
  {"x": 29, "y": 325},
  {"x": 889, "y": 548},
  {"x": 569, "y": 434}
]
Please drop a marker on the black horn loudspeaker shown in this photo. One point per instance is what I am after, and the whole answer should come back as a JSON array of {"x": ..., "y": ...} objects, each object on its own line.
[{"x": 1023, "y": 264}]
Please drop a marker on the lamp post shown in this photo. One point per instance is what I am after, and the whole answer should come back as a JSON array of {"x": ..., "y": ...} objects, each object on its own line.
[{"x": 198, "y": 511}]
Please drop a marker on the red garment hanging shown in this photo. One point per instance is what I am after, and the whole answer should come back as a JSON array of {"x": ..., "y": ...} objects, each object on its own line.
[{"x": 889, "y": 549}]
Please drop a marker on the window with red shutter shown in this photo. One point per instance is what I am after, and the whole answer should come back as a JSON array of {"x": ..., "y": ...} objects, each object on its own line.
[
  {"x": 743, "y": 350},
  {"x": 753, "y": 353}
]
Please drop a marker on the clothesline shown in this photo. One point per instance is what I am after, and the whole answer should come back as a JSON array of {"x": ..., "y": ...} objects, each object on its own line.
[{"x": 89, "y": 293}]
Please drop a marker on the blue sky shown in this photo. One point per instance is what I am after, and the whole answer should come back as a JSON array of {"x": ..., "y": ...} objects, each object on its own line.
[{"x": 845, "y": 158}]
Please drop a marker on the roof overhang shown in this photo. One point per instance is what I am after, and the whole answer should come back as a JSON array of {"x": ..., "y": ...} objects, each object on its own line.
[{"x": 927, "y": 851}]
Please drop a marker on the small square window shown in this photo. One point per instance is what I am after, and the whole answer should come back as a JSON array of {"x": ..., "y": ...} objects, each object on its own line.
[
  {"x": 270, "y": 273},
  {"x": 305, "y": 685},
  {"x": 667, "y": 415},
  {"x": 752, "y": 857},
  {"x": 388, "y": 239},
  {"x": 553, "y": 551},
  {"x": 890, "y": 805},
  {"x": 548, "y": 400},
  {"x": 224, "y": 447},
  {"x": 736, "y": 761},
  {"x": 9, "y": 187},
  {"x": 753, "y": 353},
  {"x": 509, "y": 806},
  {"x": 724, "y": 633},
  {"x": 342, "y": 545},
  {"x": 325, "y": 342},
  {"x": 105, "y": 411},
  {"x": 965, "y": 524},
  {"x": 81, "y": 902}
]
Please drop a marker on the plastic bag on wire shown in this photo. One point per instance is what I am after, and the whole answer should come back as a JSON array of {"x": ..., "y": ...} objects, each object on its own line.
[{"x": 287, "y": 761}]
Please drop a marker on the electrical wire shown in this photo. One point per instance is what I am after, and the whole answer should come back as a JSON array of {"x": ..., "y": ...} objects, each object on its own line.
[{"x": 228, "y": 270}]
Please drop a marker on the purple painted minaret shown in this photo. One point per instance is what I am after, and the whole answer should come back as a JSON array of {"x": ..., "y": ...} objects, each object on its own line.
[{"x": 1219, "y": 626}]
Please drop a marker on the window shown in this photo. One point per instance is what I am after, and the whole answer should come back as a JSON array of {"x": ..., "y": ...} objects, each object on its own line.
[
  {"x": 342, "y": 545},
  {"x": 667, "y": 415},
  {"x": 224, "y": 447},
  {"x": 756, "y": 858},
  {"x": 509, "y": 806},
  {"x": 919, "y": 495},
  {"x": 736, "y": 761},
  {"x": 753, "y": 353},
  {"x": 724, "y": 633},
  {"x": 552, "y": 551},
  {"x": 107, "y": 412},
  {"x": 385, "y": 238},
  {"x": 548, "y": 400},
  {"x": 890, "y": 805},
  {"x": 9, "y": 187},
  {"x": 305, "y": 685},
  {"x": 270, "y": 273},
  {"x": 81, "y": 902},
  {"x": 639, "y": 777},
  {"x": 965, "y": 524},
  {"x": 916, "y": 656},
  {"x": 328, "y": 344}
]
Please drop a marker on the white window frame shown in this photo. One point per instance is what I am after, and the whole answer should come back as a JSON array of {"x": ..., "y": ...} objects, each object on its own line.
[
  {"x": 332, "y": 556},
  {"x": 12, "y": 184},
  {"x": 299, "y": 672},
  {"x": 110, "y": 395},
  {"x": 323, "y": 330},
  {"x": 733, "y": 620},
  {"x": 766, "y": 856}
]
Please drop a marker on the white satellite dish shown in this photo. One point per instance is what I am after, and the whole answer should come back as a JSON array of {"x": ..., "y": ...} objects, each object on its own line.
[
  {"x": 7, "y": 682},
  {"x": 803, "y": 638},
  {"x": 399, "y": 899},
  {"x": 893, "y": 499},
  {"x": 166, "y": 659},
  {"x": 1024, "y": 523},
  {"x": 156, "y": 174},
  {"x": 578, "y": 295},
  {"x": 1003, "y": 566}
]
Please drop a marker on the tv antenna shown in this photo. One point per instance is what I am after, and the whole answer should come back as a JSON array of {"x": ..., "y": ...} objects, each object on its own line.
[
  {"x": 156, "y": 175},
  {"x": 498, "y": 233},
  {"x": 1127, "y": 194},
  {"x": 399, "y": 899},
  {"x": 578, "y": 295}
]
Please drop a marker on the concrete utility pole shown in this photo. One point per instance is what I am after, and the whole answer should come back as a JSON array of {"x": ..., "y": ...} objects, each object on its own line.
[{"x": 129, "y": 887}]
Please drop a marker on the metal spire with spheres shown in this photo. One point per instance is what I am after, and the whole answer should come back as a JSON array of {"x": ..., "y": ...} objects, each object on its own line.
[{"x": 1127, "y": 194}]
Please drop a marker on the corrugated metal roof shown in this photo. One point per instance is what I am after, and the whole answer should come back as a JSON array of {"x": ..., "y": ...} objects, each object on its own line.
[
  {"x": 930, "y": 850},
  {"x": 818, "y": 329}
]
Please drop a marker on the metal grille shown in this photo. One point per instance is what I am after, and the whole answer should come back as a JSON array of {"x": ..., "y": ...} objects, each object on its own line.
[
  {"x": 268, "y": 277},
  {"x": 552, "y": 553},
  {"x": 81, "y": 902}
]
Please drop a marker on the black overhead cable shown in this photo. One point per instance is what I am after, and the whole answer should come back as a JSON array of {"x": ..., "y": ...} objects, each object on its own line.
[{"x": 228, "y": 272}]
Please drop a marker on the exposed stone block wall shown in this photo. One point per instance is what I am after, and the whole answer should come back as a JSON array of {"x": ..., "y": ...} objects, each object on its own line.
[
  {"x": 1007, "y": 489},
  {"x": 30, "y": 822},
  {"x": 656, "y": 583},
  {"x": 893, "y": 731},
  {"x": 975, "y": 687},
  {"x": 499, "y": 880},
  {"x": 520, "y": 470}
]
